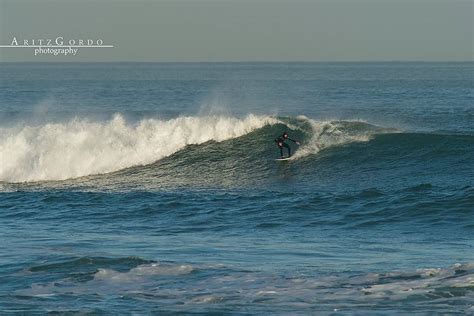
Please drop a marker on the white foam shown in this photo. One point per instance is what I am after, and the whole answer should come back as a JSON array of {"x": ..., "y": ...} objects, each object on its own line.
[
  {"x": 266, "y": 292},
  {"x": 142, "y": 272},
  {"x": 326, "y": 134},
  {"x": 206, "y": 299},
  {"x": 440, "y": 288},
  {"x": 81, "y": 147}
]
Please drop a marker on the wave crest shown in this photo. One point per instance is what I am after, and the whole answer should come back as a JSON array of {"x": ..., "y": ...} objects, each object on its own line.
[
  {"x": 332, "y": 133},
  {"x": 59, "y": 151}
]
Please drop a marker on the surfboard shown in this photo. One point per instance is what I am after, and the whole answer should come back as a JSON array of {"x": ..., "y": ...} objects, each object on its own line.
[{"x": 283, "y": 159}]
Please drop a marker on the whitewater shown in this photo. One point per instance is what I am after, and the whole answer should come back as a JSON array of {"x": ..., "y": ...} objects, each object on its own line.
[{"x": 59, "y": 151}]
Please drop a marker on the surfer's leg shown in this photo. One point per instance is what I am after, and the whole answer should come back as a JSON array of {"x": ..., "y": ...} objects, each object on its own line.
[
  {"x": 289, "y": 149},
  {"x": 281, "y": 151}
]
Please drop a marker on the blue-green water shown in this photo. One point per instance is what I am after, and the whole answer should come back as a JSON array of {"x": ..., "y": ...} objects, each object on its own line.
[{"x": 152, "y": 188}]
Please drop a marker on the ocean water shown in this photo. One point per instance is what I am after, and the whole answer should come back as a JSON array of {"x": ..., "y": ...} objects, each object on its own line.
[{"x": 139, "y": 188}]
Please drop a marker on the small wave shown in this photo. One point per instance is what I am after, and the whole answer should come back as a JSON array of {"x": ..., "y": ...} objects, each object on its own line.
[
  {"x": 420, "y": 188},
  {"x": 176, "y": 284},
  {"x": 90, "y": 262},
  {"x": 141, "y": 271}
]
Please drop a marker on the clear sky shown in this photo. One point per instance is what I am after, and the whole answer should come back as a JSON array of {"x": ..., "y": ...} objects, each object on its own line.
[{"x": 245, "y": 30}]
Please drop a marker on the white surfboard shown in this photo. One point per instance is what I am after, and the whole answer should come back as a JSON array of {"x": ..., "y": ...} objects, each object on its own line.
[{"x": 283, "y": 159}]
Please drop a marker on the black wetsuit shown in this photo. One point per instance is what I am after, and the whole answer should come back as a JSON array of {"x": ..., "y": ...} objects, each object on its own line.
[{"x": 281, "y": 143}]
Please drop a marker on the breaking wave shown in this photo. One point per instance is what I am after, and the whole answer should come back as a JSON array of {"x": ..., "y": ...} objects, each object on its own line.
[{"x": 80, "y": 147}]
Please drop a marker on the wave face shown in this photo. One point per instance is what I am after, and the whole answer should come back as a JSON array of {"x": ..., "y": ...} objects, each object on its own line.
[{"x": 80, "y": 147}]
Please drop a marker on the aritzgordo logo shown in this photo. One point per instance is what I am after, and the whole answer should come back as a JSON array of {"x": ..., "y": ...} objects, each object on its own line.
[{"x": 56, "y": 46}]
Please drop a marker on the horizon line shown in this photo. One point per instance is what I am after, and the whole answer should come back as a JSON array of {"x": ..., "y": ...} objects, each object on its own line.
[{"x": 247, "y": 61}]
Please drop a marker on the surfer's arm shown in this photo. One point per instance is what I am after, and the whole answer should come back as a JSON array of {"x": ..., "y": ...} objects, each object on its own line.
[{"x": 294, "y": 141}]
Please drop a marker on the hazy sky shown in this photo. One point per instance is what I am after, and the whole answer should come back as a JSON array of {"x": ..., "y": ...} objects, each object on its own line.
[{"x": 245, "y": 30}]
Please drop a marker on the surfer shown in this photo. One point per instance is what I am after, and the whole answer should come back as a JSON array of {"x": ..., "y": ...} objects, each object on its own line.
[{"x": 281, "y": 143}]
